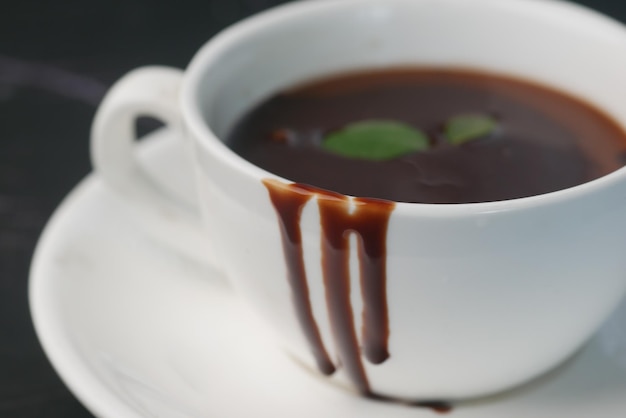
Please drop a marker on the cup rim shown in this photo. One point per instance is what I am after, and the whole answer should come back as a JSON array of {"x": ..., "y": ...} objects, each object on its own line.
[{"x": 212, "y": 49}]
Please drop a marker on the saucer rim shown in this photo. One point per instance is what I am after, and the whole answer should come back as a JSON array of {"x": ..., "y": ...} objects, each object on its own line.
[{"x": 49, "y": 326}]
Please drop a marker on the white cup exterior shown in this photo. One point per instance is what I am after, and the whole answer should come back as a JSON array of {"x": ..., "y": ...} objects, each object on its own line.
[{"x": 481, "y": 297}]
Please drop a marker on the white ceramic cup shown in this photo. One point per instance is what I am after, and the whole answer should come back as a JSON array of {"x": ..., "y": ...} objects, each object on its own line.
[{"x": 481, "y": 297}]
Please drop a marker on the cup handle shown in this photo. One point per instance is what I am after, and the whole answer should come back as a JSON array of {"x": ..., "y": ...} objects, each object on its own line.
[{"x": 154, "y": 92}]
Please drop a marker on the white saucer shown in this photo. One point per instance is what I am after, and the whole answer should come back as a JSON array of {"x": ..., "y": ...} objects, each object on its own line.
[{"x": 137, "y": 331}]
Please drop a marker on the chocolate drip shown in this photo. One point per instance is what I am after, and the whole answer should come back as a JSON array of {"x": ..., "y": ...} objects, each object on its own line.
[
  {"x": 335, "y": 265},
  {"x": 289, "y": 204},
  {"x": 436, "y": 406},
  {"x": 441, "y": 407},
  {"x": 368, "y": 219}
]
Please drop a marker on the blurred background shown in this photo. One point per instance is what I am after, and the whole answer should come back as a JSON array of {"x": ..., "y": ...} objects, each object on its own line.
[{"x": 57, "y": 59}]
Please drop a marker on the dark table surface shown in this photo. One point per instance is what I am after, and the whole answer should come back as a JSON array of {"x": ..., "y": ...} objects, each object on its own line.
[{"x": 57, "y": 59}]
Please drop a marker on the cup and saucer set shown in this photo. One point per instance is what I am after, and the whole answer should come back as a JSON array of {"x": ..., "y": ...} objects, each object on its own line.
[{"x": 164, "y": 285}]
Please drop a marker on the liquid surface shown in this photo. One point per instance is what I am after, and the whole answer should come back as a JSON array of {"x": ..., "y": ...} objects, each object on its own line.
[{"x": 545, "y": 140}]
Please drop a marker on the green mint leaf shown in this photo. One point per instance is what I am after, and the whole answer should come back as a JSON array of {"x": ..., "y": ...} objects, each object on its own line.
[
  {"x": 376, "y": 140},
  {"x": 463, "y": 128}
]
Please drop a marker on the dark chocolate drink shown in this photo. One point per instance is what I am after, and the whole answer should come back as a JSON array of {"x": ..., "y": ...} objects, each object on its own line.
[{"x": 544, "y": 140}]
